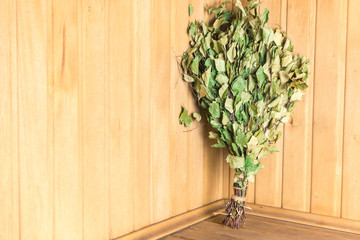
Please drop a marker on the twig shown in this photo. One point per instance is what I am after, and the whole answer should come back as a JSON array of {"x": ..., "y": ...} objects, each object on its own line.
[{"x": 194, "y": 128}]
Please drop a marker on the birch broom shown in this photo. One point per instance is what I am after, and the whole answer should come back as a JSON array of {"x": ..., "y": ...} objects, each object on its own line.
[{"x": 247, "y": 81}]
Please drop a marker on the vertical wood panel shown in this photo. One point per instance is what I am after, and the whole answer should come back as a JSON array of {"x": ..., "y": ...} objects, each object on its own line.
[
  {"x": 351, "y": 162},
  {"x": 95, "y": 216},
  {"x": 35, "y": 163},
  {"x": 179, "y": 91},
  {"x": 195, "y": 138},
  {"x": 160, "y": 108},
  {"x": 298, "y": 132},
  {"x": 120, "y": 73},
  {"x": 67, "y": 168},
  {"x": 141, "y": 113},
  {"x": 14, "y": 118},
  {"x": 328, "y": 107},
  {"x": 268, "y": 188},
  {"x": 8, "y": 166}
]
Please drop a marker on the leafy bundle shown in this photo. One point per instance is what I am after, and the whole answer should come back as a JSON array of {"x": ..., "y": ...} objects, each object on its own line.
[{"x": 246, "y": 80}]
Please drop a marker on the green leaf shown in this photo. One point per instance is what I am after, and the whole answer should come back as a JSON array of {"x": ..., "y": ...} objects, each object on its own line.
[
  {"x": 221, "y": 79},
  {"x": 218, "y": 23},
  {"x": 302, "y": 86},
  {"x": 225, "y": 119},
  {"x": 284, "y": 77},
  {"x": 197, "y": 116},
  {"x": 219, "y": 144},
  {"x": 235, "y": 162},
  {"x": 231, "y": 53},
  {"x": 191, "y": 9},
  {"x": 252, "y": 143},
  {"x": 187, "y": 78},
  {"x": 223, "y": 89},
  {"x": 265, "y": 16},
  {"x": 297, "y": 96},
  {"x": 260, "y": 76},
  {"x": 206, "y": 76},
  {"x": 272, "y": 149},
  {"x": 274, "y": 102},
  {"x": 192, "y": 29},
  {"x": 229, "y": 103},
  {"x": 240, "y": 139},
  {"x": 194, "y": 66},
  {"x": 185, "y": 118},
  {"x": 278, "y": 38},
  {"x": 220, "y": 65},
  {"x": 214, "y": 110},
  {"x": 213, "y": 135},
  {"x": 251, "y": 83},
  {"x": 245, "y": 97},
  {"x": 238, "y": 85}
]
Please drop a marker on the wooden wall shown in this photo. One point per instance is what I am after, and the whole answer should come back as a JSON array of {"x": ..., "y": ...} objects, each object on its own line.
[{"x": 90, "y": 95}]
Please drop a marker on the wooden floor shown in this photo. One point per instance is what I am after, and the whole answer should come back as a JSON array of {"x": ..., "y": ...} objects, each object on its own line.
[{"x": 257, "y": 228}]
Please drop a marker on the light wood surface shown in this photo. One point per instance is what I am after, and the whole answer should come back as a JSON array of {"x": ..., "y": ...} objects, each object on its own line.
[
  {"x": 163, "y": 228},
  {"x": 311, "y": 219},
  {"x": 328, "y": 107},
  {"x": 257, "y": 228},
  {"x": 90, "y": 95},
  {"x": 351, "y": 160}
]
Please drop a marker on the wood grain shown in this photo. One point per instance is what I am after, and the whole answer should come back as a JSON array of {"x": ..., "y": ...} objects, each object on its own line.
[
  {"x": 9, "y": 201},
  {"x": 140, "y": 114},
  {"x": 179, "y": 91},
  {"x": 35, "y": 169},
  {"x": 258, "y": 228},
  {"x": 351, "y": 162},
  {"x": 328, "y": 108},
  {"x": 159, "y": 109},
  {"x": 95, "y": 196},
  {"x": 157, "y": 230},
  {"x": 67, "y": 167},
  {"x": 120, "y": 92}
]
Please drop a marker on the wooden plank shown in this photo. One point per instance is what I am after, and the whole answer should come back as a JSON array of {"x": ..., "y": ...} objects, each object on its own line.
[
  {"x": 67, "y": 167},
  {"x": 179, "y": 91},
  {"x": 317, "y": 220},
  {"x": 196, "y": 137},
  {"x": 268, "y": 188},
  {"x": 140, "y": 115},
  {"x": 9, "y": 201},
  {"x": 14, "y": 119},
  {"x": 160, "y": 108},
  {"x": 250, "y": 195},
  {"x": 95, "y": 195},
  {"x": 298, "y": 132},
  {"x": 161, "y": 229},
  {"x": 120, "y": 73},
  {"x": 266, "y": 228},
  {"x": 328, "y": 111},
  {"x": 35, "y": 164},
  {"x": 351, "y": 162}
]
